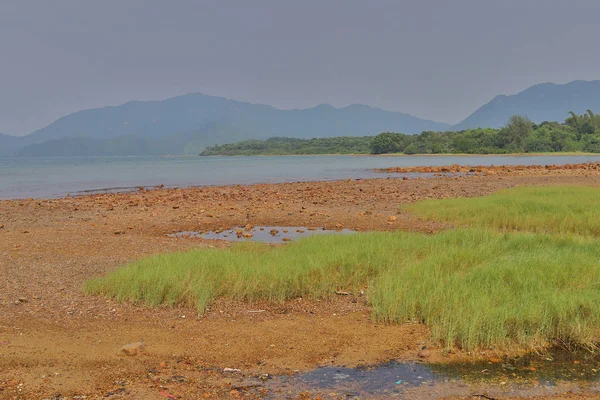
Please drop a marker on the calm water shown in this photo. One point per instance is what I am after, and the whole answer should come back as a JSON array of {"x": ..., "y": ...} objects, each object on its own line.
[
  {"x": 265, "y": 234},
  {"x": 54, "y": 177},
  {"x": 531, "y": 375}
]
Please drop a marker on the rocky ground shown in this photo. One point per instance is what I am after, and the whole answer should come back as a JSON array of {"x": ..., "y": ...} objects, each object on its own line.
[{"x": 57, "y": 343}]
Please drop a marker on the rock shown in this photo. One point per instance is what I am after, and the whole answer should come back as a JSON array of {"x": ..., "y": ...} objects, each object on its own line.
[
  {"x": 265, "y": 377},
  {"x": 132, "y": 349},
  {"x": 424, "y": 354},
  {"x": 167, "y": 394},
  {"x": 22, "y": 300}
]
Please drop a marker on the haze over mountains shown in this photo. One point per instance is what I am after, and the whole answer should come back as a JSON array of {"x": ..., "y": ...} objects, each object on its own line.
[
  {"x": 186, "y": 124},
  {"x": 539, "y": 103}
]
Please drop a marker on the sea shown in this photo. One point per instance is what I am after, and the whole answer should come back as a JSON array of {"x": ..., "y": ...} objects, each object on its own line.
[{"x": 61, "y": 176}]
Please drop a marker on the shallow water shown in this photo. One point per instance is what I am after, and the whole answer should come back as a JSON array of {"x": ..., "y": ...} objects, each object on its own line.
[
  {"x": 265, "y": 234},
  {"x": 59, "y": 176},
  {"x": 526, "y": 376}
]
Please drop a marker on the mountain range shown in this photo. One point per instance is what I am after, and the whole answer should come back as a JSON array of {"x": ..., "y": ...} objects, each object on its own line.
[
  {"x": 187, "y": 124},
  {"x": 539, "y": 103}
]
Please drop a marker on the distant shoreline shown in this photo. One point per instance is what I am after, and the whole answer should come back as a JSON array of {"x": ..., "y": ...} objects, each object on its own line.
[{"x": 570, "y": 153}]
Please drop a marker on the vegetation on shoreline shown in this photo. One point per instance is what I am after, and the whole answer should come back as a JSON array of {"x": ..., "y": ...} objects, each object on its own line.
[
  {"x": 474, "y": 287},
  {"x": 278, "y": 146},
  {"x": 573, "y": 210},
  {"x": 579, "y": 133}
]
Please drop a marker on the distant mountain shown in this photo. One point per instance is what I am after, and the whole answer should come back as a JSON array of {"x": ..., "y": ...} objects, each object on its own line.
[
  {"x": 187, "y": 124},
  {"x": 9, "y": 144},
  {"x": 543, "y": 102}
]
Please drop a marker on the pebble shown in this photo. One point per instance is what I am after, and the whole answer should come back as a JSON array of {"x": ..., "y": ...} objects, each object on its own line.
[
  {"x": 132, "y": 349},
  {"x": 424, "y": 354}
]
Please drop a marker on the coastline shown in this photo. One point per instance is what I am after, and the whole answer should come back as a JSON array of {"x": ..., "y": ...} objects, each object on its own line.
[
  {"x": 575, "y": 153},
  {"x": 57, "y": 178},
  {"x": 490, "y": 155},
  {"x": 51, "y": 246}
]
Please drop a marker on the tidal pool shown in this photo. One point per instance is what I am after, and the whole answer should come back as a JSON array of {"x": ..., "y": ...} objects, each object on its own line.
[
  {"x": 531, "y": 375},
  {"x": 265, "y": 234}
]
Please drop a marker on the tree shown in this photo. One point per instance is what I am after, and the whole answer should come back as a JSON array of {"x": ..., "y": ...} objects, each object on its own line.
[
  {"x": 411, "y": 149},
  {"x": 386, "y": 142},
  {"x": 516, "y": 132},
  {"x": 586, "y": 124},
  {"x": 573, "y": 120}
]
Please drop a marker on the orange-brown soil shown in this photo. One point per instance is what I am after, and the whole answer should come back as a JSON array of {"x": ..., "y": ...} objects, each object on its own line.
[
  {"x": 505, "y": 170},
  {"x": 56, "y": 342}
]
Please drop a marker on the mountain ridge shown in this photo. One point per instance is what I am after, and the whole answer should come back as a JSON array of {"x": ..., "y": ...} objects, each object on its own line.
[
  {"x": 208, "y": 120},
  {"x": 188, "y": 123},
  {"x": 541, "y": 102}
]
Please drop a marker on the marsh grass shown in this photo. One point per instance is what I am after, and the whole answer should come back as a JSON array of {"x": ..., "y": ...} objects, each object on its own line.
[
  {"x": 472, "y": 287},
  {"x": 546, "y": 209}
]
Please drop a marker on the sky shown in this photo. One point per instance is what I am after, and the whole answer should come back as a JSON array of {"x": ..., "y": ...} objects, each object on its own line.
[{"x": 435, "y": 59}]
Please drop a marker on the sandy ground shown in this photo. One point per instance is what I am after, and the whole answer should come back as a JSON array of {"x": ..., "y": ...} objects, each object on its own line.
[{"x": 57, "y": 343}]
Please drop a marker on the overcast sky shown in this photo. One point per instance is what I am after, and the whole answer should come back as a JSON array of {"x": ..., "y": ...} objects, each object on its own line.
[{"x": 437, "y": 59}]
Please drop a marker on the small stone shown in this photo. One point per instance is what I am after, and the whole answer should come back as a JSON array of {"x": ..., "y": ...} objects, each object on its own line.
[
  {"x": 22, "y": 300},
  {"x": 132, "y": 349},
  {"x": 265, "y": 377},
  {"x": 424, "y": 354}
]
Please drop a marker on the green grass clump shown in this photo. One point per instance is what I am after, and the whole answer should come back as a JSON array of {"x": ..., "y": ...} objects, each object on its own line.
[
  {"x": 548, "y": 209},
  {"x": 472, "y": 287}
]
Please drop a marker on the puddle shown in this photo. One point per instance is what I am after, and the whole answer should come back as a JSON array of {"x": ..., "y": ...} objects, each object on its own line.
[
  {"x": 531, "y": 375},
  {"x": 265, "y": 234}
]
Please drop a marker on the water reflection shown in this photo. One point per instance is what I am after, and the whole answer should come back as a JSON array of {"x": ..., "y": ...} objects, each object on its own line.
[{"x": 265, "y": 234}]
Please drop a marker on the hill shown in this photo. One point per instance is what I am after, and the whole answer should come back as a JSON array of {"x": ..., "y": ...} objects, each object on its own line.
[
  {"x": 192, "y": 122},
  {"x": 9, "y": 144},
  {"x": 543, "y": 102}
]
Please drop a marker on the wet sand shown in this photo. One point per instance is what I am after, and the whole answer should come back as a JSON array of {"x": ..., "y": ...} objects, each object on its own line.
[{"x": 56, "y": 341}]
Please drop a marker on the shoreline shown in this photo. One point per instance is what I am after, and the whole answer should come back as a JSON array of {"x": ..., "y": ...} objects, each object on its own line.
[
  {"x": 51, "y": 246},
  {"x": 357, "y": 174},
  {"x": 414, "y": 155}
]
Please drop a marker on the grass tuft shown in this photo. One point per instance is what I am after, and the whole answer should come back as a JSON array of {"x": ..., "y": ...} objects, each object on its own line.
[
  {"x": 472, "y": 287},
  {"x": 547, "y": 209}
]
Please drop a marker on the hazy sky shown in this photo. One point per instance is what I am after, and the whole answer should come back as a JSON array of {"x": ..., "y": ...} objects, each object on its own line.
[{"x": 438, "y": 59}]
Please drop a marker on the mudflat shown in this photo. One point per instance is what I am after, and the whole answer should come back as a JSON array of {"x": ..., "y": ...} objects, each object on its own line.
[{"x": 56, "y": 342}]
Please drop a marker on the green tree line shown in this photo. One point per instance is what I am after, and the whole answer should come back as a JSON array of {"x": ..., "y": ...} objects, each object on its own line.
[
  {"x": 519, "y": 135},
  {"x": 282, "y": 146}
]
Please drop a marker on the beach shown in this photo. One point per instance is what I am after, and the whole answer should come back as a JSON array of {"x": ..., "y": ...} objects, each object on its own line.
[{"x": 56, "y": 340}]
